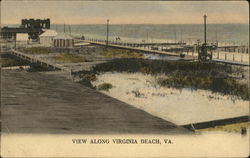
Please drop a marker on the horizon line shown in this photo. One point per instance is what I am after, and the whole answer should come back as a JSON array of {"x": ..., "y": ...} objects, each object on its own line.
[{"x": 132, "y": 23}]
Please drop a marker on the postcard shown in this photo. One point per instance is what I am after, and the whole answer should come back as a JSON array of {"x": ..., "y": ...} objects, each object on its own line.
[{"x": 124, "y": 78}]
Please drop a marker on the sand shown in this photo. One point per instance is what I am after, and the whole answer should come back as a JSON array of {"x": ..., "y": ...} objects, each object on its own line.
[{"x": 180, "y": 107}]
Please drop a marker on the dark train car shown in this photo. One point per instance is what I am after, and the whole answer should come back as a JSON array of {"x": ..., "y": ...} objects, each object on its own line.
[{"x": 34, "y": 27}]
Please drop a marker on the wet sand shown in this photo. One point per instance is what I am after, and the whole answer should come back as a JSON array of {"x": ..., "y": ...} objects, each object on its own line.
[{"x": 50, "y": 103}]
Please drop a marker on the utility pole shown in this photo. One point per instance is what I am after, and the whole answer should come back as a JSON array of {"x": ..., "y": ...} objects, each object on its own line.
[
  {"x": 205, "y": 29},
  {"x": 69, "y": 30},
  {"x": 147, "y": 41},
  {"x": 15, "y": 42},
  {"x": 147, "y": 37},
  {"x": 216, "y": 37},
  {"x": 174, "y": 36},
  {"x": 64, "y": 28},
  {"x": 181, "y": 36},
  {"x": 107, "y": 38}
]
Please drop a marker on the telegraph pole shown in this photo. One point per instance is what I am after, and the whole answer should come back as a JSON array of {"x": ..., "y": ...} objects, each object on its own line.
[
  {"x": 181, "y": 36},
  {"x": 64, "y": 28},
  {"x": 107, "y": 38},
  {"x": 147, "y": 37},
  {"x": 174, "y": 36},
  {"x": 216, "y": 37},
  {"x": 205, "y": 29},
  {"x": 69, "y": 30}
]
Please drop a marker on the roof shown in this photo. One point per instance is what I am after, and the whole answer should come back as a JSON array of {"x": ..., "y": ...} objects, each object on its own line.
[
  {"x": 22, "y": 37},
  {"x": 49, "y": 33},
  {"x": 63, "y": 36}
]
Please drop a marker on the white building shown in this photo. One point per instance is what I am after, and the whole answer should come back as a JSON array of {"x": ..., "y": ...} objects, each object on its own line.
[
  {"x": 46, "y": 38},
  {"x": 22, "y": 38},
  {"x": 63, "y": 40}
]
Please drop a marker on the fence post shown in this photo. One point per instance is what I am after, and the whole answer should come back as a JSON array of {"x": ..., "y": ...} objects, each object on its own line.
[
  {"x": 233, "y": 57},
  {"x": 225, "y": 56}
]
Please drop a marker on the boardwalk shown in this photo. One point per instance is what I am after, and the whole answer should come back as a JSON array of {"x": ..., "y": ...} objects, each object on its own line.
[
  {"x": 129, "y": 47},
  {"x": 217, "y": 57},
  {"x": 34, "y": 59},
  {"x": 188, "y": 56},
  {"x": 46, "y": 103}
]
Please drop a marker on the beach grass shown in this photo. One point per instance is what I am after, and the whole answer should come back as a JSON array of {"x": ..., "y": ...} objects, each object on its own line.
[
  {"x": 104, "y": 86},
  {"x": 184, "y": 74},
  {"x": 36, "y": 50},
  {"x": 7, "y": 60},
  {"x": 120, "y": 53},
  {"x": 236, "y": 127},
  {"x": 69, "y": 58}
]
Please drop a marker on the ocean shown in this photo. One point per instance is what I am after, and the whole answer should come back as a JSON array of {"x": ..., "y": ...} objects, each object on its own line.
[{"x": 224, "y": 33}]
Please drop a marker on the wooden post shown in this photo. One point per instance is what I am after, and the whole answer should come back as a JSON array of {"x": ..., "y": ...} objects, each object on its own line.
[
  {"x": 205, "y": 30},
  {"x": 225, "y": 56},
  {"x": 107, "y": 37},
  {"x": 233, "y": 57},
  {"x": 70, "y": 73}
]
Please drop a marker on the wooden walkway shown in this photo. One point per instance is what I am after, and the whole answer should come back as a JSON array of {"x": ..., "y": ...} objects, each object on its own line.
[
  {"x": 187, "y": 57},
  {"x": 230, "y": 62},
  {"x": 50, "y": 104},
  {"x": 34, "y": 59},
  {"x": 130, "y": 47}
]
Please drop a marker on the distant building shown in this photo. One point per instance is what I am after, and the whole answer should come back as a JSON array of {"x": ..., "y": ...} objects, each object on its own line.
[
  {"x": 22, "y": 38},
  {"x": 31, "y": 26},
  {"x": 46, "y": 38},
  {"x": 63, "y": 41}
]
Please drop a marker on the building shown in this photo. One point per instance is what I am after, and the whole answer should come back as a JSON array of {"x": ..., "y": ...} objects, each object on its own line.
[
  {"x": 35, "y": 23},
  {"x": 46, "y": 38},
  {"x": 63, "y": 41},
  {"x": 34, "y": 27},
  {"x": 22, "y": 38}
]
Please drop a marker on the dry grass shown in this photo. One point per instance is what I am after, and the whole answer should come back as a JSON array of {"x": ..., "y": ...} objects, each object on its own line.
[
  {"x": 182, "y": 74},
  {"x": 105, "y": 86},
  {"x": 237, "y": 127},
  {"x": 120, "y": 53},
  {"x": 69, "y": 58},
  {"x": 36, "y": 50},
  {"x": 7, "y": 60}
]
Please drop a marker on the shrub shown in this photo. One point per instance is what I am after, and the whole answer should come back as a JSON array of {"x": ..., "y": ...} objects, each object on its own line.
[
  {"x": 68, "y": 57},
  {"x": 184, "y": 74},
  {"x": 146, "y": 70},
  {"x": 90, "y": 77},
  {"x": 121, "y": 53},
  {"x": 105, "y": 86},
  {"x": 36, "y": 50}
]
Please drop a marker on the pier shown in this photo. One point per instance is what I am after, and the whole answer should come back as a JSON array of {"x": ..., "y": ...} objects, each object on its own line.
[
  {"x": 223, "y": 54},
  {"x": 137, "y": 47}
]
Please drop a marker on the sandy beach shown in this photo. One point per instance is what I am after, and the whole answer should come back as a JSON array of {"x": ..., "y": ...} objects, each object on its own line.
[{"x": 179, "y": 106}]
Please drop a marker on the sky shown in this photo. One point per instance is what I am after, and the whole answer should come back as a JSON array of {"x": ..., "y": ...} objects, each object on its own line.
[{"x": 125, "y": 12}]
